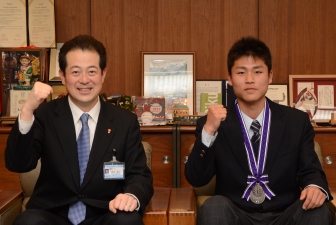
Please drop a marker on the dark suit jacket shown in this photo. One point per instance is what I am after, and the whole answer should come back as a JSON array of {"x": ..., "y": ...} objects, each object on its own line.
[
  {"x": 52, "y": 138},
  {"x": 291, "y": 160}
]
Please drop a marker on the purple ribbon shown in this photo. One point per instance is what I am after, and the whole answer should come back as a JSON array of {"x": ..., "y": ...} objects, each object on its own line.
[{"x": 257, "y": 167}]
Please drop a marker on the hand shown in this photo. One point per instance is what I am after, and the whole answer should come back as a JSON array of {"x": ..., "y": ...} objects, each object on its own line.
[
  {"x": 123, "y": 202},
  {"x": 314, "y": 197},
  {"x": 216, "y": 114},
  {"x": 38, "y": 94}
]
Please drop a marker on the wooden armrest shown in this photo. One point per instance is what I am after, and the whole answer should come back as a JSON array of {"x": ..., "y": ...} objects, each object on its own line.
[
  {"x": 157, "y": 210},
  {"x": 182, "y": 209},
  {"x": 10, "y": 205}
]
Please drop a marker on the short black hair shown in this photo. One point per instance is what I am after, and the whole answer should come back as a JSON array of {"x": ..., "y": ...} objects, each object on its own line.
[
  {"x": 249, "y": 46},
  {"x": 83, "y": 42}
]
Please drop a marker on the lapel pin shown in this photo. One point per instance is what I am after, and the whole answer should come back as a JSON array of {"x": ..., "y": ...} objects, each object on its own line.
[{"x": 109, "y": 130}]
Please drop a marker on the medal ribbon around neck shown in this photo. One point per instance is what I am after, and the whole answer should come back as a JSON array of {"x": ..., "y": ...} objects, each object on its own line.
[{"x": 257, "y": 168}]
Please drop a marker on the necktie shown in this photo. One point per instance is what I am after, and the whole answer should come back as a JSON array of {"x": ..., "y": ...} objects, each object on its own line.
[
  {"x": 77, "y": 211},
  {"x": 255, "y": 127}
]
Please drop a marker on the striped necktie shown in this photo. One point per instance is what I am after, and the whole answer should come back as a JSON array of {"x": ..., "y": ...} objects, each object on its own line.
[
  {"x": 255, "y": 127},
  {"x": 77, "y": 211}
]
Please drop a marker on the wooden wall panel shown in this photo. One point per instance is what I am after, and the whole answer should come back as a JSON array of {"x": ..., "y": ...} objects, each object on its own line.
[
  {"x": 174, "y": 25},
  {"x": 207, "y": 27},
  {"x": 240, "y": 19},
  {"x": 274, "y": 29},
  {"x": 126, "y": 28},
  {"x": 72, "y": 18},
  {"x": 301, "y": 35},
  {"x": 312, "y": 37}
]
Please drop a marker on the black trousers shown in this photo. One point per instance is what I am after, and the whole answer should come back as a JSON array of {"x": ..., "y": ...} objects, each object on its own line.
[
  {"x": 93, "y": 217},
  {"x": 219, "y": 210}
]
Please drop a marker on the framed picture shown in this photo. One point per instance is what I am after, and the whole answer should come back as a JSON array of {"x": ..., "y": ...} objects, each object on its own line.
[
  {"x": 170, "y": 75},
  {"x": 314, "y": 94},
  {"x": 53, "y": 65},
  {"x": 278, "y": 93},
  {"x": 209, "y": 92},
  {"x": 59, "y": 90},
  {"x": 18, "y": 98},
  {"x": 20, "y": 69}
]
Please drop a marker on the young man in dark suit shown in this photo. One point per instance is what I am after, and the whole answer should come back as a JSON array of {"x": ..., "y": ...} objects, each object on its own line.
[
  {"x": 72, "y": 187},
  {"x": 266, "y": 174}
]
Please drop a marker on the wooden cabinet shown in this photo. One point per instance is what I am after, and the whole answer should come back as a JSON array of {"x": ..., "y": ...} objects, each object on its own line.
[
  {"x": 186, "y": 137},
  {"x": 326, "y": 137},
  {"x": 161, "y": 138},
  {"x": 170, "y": 150}
]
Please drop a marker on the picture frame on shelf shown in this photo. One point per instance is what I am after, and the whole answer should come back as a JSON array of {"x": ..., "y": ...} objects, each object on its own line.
[
  {"x": 170, "y": 75},
  {"x": 59, "y": 90},
  {"x": 314, "y": 94},
  {"x": 209, "y": 92},
  {"x": 53, "y": 64},
  {"x": 278, "y": 93},
  {"x": 20, "y": 69}
]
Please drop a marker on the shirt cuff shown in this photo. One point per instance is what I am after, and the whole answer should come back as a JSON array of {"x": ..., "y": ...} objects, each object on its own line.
[
  {"x": 137, "y": 208},
  {"x": 208, "y": 139},
  {"x": 25, "y": 126},
  {"x": 314, "y": 185}
]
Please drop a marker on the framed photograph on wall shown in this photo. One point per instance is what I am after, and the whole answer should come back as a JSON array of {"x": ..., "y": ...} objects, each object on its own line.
[
  {"x": 53, "y": 65},
  {"x": 278, "y": 93},
  {"x": 314, "y": 94},
  {"x": 170, "y": 75}
]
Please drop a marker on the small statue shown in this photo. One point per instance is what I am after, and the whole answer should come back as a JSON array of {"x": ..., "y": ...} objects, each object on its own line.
[{"x": 25, "y": 72}]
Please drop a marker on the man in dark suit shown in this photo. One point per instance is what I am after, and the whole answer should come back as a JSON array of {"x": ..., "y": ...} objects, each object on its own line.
[
  {"x": 66, "y": 192},
  {"x": 269, "y": 174}
]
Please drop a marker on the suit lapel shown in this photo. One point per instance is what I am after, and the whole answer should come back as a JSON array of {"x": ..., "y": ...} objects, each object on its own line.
[
  {"x": 235, "y": 139},
  {"x": 277, "y": 130},
  {"x": 104, "y": 133},
  {"x": 67, "y": 137}
]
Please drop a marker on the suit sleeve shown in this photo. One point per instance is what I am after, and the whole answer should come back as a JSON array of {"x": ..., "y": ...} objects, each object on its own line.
[
  {"x": 19, "y": 153},
  {"x": 310, "y": 171},
  {"x": 200, "y": 169},
  {"x": 138, "y": 177}
]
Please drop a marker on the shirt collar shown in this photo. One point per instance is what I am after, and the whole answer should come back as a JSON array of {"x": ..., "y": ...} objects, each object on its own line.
[
  {"x": 77, "y": 112},
  {"x": 248, "y": 120}
]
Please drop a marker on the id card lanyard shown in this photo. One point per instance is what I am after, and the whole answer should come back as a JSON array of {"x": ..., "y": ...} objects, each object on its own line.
[{"x": 114, "y": 170}]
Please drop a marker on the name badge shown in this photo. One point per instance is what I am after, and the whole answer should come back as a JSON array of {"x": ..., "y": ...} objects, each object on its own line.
[{"x": 114, "y": 170}]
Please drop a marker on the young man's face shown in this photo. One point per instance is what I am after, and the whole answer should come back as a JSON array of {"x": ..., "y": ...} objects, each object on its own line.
[
  {"x": 83, "y": 78},
  {"x": 250, "y": 79}
]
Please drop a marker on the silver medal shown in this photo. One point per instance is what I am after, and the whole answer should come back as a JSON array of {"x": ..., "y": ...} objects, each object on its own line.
[{"x": 257, "y": 194}]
